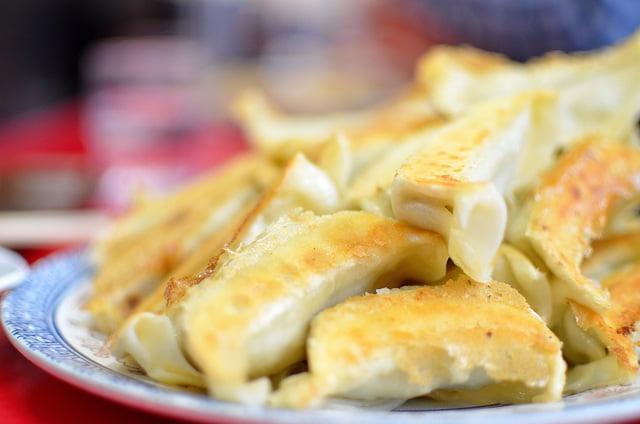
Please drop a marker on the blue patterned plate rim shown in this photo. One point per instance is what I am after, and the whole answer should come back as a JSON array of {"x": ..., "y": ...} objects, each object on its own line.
[{"x": 29, "y": 317}]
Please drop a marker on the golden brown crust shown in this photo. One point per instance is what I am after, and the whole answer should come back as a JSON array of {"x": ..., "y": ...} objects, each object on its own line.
[
  {"x": 139, "y": 255},
  {"x": 624, "y": 287},
  {"x": 264, "y": 293},
  {"x": 617, "y": 341},
  {"x": 571, "y": 207},
  {"x": 176, "y": 288},
  {"x": 500, "y": 313},
  {"x": 423, "y": 339},
  {"x": 450, "y": 161}
]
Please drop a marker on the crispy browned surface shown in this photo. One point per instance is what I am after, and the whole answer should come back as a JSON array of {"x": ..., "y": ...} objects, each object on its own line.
[
  {"x": 147, "y": 219},
  {"x": 197, "y": 265},
  {"x": 177, "y": 287},
  {"x": 136, "y": 260},
  {"x": 616, "y": 339},
  {"x": 430, "y": 335},
  {"x": 432, "y": 315},
  {"x": 285, "y": 194},
  {"x": 624, "y": 287},
  {"x": 296, "y": 268},
  {"x": 571, "y": 207},
  {"x": 459, "y": 149}
]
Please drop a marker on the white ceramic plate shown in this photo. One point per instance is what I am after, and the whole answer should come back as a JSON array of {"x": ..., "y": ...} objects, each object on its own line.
[{"x": 44, "y": 320}]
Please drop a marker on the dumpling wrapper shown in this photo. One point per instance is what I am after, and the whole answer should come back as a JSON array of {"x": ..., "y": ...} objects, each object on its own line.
[
  {"x": 152, "y": 341},
  {"x": 625, "y": 218},
  {"x": 600, "y": 346},
  {"x": 612, "y": 254},
  {"x": 279, "y": 135},
  {"x": 513, "y": 267},
  {"x": 616, "y": 265},
  {"x": 301, "y": 185},
  {"x": 624, "y": 316},
  {"x": 598, "y": 92},
  {"x": 617, "y": 329},
  {"x": 199, "y": 262},
  {"x": 456, "y": 185},
  {"x": 151, "y": 214},
  {"x": 571, "y": 207},
  {"x": 249, "y": 319},
  {"x": 600, "y": 87},
  {"x": 336, "y": 161},
  {"x": 139, "y": 255},
  {"x": 414, "y": 341},
  {"x": 376, "y": 177}
]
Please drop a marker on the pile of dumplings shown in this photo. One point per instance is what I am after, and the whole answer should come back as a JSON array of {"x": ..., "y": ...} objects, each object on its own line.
[{"x": 476, "y": 239}]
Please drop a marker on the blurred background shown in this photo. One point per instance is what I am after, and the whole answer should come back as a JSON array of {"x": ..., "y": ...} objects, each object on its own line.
[{"x": 99, "y": 98}]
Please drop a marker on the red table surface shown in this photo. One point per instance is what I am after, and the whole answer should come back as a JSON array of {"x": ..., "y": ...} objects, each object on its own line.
[{"x": 28, "y": 395}]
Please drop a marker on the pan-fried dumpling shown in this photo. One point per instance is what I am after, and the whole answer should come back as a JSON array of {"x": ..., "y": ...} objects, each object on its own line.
[
  {"x": 280, "y": 136},
  {"x": 571, "y": 207},
  {"x": 414, "y": 341},
  {"x": 615, "y": 263},
  {"x": 249, "y": 318},
  {"x": 600, "y": 346},
  {"x": 139, "y": 254},
  {"x": 200, "y": 262},
  {"x": 603, "y": 346},
  {"x": 600, "y": 88},
  {"x": 455, "y": 186},
  {"x": 300, "y": 185},
  {"x": 150, "y": 215},
  {"x": 598, "y": 92},
  {"x": 450, "y": 75}
]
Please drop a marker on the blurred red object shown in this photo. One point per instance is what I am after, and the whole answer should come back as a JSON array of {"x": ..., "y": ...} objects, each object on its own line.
[
  {"x": 143, "y": 104},
  {"x": 53, "y": 131},
  {"x": 28, "y": 395},
  {"x": 45, "y": 164},
  {"x": 42, "y": 161}
]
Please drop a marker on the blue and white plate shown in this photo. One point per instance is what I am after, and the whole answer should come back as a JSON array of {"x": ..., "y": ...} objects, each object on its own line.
[{"x": 45, "y": 321}]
